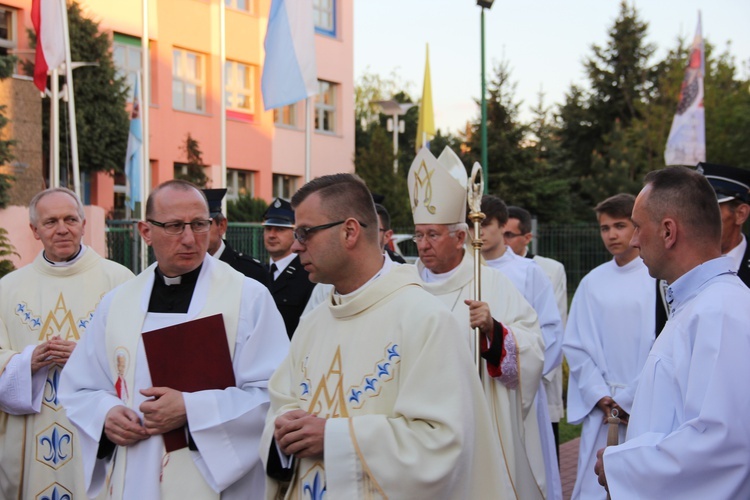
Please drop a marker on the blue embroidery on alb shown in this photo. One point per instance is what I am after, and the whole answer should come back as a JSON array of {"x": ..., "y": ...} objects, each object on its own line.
[
  {"x": 316, "y": 490},
  {"x": 392, "y": 352},
  {"x": 355, "y": 394},
  {"x": 383, "y": 369},
  {"x": 305, "y": 388},
  {"x": 56, "y": 496},
  {"x": 370, "y": 384},
  {"x": 55, "y": 443},
  {"x": 53, "y": 381}
]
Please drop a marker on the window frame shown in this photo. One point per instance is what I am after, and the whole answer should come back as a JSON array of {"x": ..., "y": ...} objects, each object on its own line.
[
  {"x": 10, "y": 43},
  {"x": 200, "y": 83},
  {"x": 130, "y": 72},
  {"x": 233, "y": 87},
  {"x": 233, "y": 183},
  {"x": 329, "y": 12},
  {"x": 280, "y": 187},
  {"x": 279, "y": 115},
  {"x": 232, "y": 4},
  {"x": 322, "y": 108}
]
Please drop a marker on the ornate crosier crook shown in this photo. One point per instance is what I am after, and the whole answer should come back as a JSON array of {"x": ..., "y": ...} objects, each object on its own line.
[{"x": 474, "y": 190}]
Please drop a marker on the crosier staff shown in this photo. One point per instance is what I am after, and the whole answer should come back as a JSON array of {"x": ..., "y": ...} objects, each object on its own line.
[{"x": 475, "y": 189}]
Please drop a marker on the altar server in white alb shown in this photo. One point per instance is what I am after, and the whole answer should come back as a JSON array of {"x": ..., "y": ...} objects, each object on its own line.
[
  {"x": 689, "y": 434},
  {"x": 45, "y": 307},
  {"x": 378, "y": 397},
  {"x": 609, "y": 334},
  {"x": 121, "y": 430},
  {"x": 514, "y": 353},
  {"x": 530, "y": 280}
]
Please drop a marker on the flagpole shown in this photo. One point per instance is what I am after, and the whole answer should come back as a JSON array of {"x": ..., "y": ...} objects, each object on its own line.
[
  {"x": 54, "y": 130},
  {"x": 223, "y": 80},
  {"x": 71, "y": 103},
  {"x": 308, "y": 139},
  {"x": 145, "y": 112}
]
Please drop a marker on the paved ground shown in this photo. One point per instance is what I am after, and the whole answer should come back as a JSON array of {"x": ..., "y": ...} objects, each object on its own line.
[{"x": 568, "y": 466}]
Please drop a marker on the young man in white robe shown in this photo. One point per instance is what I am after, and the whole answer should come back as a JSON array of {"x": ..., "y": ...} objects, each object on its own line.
[
  {"x": 517, "y": 236},
  {"x": 378, "y": 397},
  {"x": 121, "y": 432},
  {"x": 688, "y": 436},
  {"x": 530, "y": 280},
  {"x": 45, "y": 307},
  {"x": 513, "y": 346},
  {"x": 609, "y": 334}
]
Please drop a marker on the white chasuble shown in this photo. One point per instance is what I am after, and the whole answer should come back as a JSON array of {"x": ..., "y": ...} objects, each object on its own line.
[
  {"x": 39, "y": 449},
  {"x": 225, "y": 424},
  {"x": 513, "y": 410},
  {"x": 406, "y": 417},
  {"x": 609, "y": 334}
]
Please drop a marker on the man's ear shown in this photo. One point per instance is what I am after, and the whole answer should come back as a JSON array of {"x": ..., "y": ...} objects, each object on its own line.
[
  {"x": 669, "y": 232},
  {"x": 145, "y": 231},
  {"x": 741, "y": 214},
  {"x": 34, "y": 231}
]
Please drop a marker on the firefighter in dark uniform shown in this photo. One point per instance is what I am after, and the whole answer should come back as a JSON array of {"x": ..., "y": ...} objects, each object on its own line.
[
  {"x": 732, "y": 186},
  {"x": 221, "y": 249},
  {"x": 289, "y": 284}
]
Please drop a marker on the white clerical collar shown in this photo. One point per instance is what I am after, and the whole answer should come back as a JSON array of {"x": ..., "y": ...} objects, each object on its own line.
[
  {"x": 387, "y": 266},
  {"x": 67, "y": 263},
  {"x": 172, "y": 281},
  {"x": 220, "y": 251},
  {"x": 282, "y": 263},
  {"x": 430, "y": 277},
  {"x": 737, "y": 253}
]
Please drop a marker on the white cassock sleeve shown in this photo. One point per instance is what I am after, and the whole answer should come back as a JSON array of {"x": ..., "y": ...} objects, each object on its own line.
[
  {"x": 586, "y": 385},
  {"x": 20, "y": 391},
  {"x": 549, "y": 318},
  {"x": 226, "y": 425}
]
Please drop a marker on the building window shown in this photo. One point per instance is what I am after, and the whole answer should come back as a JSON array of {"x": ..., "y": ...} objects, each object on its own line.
[
  {"x": 240, "y": 90},
  {"x": 7, "y": 30},
  {"x": 126, "y": 52},
  {"x": 286, "y": 116},
  {"x": 240, "y": 183},
  {"x": 188, "y": 81},
  {"x": 325, "y": 107},
  {"x": 243, "y": 5},
  {"x": 324, "y": 17},
  {"x": 284, "y": 186}
]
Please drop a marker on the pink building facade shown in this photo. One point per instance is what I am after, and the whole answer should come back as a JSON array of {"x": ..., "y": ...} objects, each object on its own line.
[{"x": 265, "y": 150}]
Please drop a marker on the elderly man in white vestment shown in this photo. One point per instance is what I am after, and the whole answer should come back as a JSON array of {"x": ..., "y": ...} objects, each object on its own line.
[
  {"x": 688, "y": 435},
  {"x": 608, "y": 338},
  {"x": 513, "y": 357},
  {"x": 378, "y": 397},
  {"x": 45, "y": 307},
  {"x": 121, "y": 432},
  {"x": 530, "y": 280}
]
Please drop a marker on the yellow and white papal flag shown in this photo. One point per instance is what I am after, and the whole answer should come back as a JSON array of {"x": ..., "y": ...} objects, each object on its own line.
[{"x": 687, "y": 138}]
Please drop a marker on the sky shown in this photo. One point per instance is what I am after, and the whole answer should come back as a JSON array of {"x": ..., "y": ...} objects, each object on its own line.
[{"x": 544, "y": 41}]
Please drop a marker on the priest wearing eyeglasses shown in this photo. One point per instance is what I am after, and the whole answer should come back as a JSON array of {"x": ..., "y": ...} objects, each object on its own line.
[{"x": 124, "y": 452}]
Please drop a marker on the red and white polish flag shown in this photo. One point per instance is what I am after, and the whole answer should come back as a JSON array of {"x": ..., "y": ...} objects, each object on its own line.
[{"x": 47, "y": 18}]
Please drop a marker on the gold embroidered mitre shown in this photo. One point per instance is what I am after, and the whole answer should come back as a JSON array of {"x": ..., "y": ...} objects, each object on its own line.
[{"x": 437, "y": 188}]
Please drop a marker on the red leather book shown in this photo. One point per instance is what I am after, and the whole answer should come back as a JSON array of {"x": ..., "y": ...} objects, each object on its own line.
[{"x": 189, "y": 357}]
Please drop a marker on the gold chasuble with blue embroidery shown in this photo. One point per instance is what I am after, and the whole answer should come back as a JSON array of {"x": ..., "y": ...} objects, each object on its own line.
[
  {"x": 406, "y": 417},
  {"x": 39, "y": 451}
]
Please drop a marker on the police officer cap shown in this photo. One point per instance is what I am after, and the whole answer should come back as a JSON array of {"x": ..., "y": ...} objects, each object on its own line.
[
  {"x": 214, "y": 197},
  {"x": 730, "y": 183},
  {"x": 279, "y": 213}
]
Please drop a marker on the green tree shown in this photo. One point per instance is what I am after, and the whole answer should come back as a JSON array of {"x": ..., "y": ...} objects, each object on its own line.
[
  {"x": 100, "y": 97},
  {"x": 194, "y": 166},
  {"x": 246, "y": 209}
]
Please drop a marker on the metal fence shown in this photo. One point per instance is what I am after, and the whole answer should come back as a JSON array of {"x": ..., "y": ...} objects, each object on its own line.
[{"x": 577, "y": 246}]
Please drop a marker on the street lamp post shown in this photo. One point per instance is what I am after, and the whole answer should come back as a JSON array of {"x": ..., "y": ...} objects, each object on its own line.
[
  {"x": 394, "y": 109},
  {"x": 484, "y": 4}
]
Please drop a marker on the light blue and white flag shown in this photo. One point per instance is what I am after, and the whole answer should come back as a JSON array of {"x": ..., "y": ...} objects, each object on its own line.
[
  {"x": 133, "y": 161},
  {"x": 290, "y": 73}
]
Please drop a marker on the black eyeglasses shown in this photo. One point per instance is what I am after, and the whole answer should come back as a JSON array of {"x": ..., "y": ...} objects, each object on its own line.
[
  {"x": 302, "y": 233},
  {"x": 178, "y": 227},
  {"x": 509, "y": 234}
]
